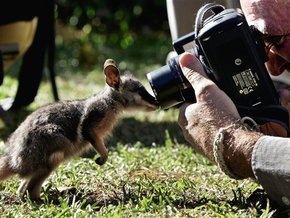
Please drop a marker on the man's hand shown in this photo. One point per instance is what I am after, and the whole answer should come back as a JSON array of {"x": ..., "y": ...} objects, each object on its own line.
[
  {"x": 201, "y": 121},
  {"x": 213, "y": 108}
]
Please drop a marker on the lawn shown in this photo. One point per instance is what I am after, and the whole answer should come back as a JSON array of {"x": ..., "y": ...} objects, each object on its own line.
[{"x": 151, "y": 171}]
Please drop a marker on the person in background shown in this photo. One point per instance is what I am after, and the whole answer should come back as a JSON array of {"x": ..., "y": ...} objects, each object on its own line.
[
  {"x": 39, "y": 53},
  {"x": 212, "y": 124}
]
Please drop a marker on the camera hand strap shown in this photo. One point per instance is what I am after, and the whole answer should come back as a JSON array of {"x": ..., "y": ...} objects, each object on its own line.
[
  {"x": 199, "y": 20},
  {"x": 199, "y": 23},
  {"x": 264, "y": 114}
]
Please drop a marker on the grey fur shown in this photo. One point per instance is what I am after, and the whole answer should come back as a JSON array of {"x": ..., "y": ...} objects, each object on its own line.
[{"x": 61, "y": 130}]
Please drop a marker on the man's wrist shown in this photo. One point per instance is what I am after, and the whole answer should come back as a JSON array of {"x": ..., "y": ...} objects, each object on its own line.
[{"x": 238, "y": 148}]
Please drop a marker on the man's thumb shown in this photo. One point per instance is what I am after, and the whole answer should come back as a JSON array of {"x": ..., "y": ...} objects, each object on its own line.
[{"x": 192, "y": 69}]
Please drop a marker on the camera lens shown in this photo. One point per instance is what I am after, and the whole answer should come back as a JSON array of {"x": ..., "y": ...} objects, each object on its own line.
[{"x": 169, "y": 84}]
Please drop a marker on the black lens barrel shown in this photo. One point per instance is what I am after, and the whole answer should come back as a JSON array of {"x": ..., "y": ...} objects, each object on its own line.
[{"x": 168, "y": 84}]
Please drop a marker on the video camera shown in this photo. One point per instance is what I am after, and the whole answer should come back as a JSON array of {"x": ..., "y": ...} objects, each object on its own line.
[{"x": 233, "y": 56}]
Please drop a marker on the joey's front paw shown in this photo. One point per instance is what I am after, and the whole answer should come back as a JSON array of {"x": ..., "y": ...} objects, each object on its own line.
[{"x": 100, "y": 161}]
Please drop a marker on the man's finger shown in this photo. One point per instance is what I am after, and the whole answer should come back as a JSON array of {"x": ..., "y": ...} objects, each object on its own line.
[{"x": 193, "y": 70}]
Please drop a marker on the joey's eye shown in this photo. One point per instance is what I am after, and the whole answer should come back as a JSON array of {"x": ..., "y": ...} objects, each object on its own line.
[
  {"x": 137, "y": 88},
  {"x": 140, "y": 89}
]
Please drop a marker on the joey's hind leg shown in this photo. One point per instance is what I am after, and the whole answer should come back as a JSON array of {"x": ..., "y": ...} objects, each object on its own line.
[{"x": 33, "y": 185}]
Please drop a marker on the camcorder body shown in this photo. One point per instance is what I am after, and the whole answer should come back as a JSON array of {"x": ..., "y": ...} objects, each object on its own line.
[{"x": 233, "y": 56}]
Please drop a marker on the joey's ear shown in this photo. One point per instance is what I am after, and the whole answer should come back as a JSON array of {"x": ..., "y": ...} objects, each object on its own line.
[{"x": 112, "y": 73}]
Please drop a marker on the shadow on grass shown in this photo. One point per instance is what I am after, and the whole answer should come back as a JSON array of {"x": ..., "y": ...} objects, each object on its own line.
[
  {"x": 124, "y": 194},
  {"x": 131, "y": 193},
  {"x": 130, "y": 131},
  {"x": 99, "y": 198}
]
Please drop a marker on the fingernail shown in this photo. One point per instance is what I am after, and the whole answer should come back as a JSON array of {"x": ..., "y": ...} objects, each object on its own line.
[{"x": 187, "y": 60}]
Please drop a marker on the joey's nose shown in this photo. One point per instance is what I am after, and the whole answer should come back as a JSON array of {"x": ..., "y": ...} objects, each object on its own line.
[
  {"x": 153, "y": 103},
  {"x": 151, "y": 99},
  {"x": 151, "y": 107}
]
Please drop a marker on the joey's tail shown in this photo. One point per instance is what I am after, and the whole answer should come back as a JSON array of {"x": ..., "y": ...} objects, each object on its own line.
[{"x": 5, "y": 170}]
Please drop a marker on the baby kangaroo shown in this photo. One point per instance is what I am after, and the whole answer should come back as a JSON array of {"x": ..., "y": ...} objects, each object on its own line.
[{"x": 61, "y": 130}]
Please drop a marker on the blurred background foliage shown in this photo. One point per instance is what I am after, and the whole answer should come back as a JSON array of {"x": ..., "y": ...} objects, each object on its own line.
[
  {"x": 112, "y": 16},
  {"x": 90, "y": 31}
]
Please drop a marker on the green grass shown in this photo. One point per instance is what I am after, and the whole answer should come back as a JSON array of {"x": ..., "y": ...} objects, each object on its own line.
[{"x": 151, "y": 171}]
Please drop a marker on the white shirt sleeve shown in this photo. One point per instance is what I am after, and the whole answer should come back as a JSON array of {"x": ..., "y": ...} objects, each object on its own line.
[{"x": 271, "y": 166}]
